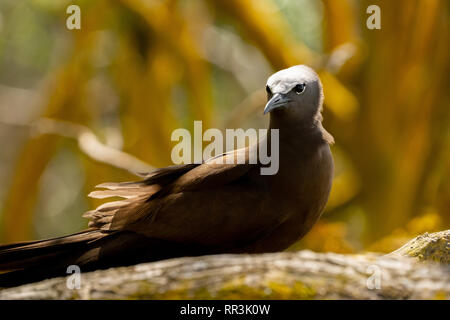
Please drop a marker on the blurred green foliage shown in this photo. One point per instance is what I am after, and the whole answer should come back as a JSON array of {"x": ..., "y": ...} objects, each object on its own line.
[{"x": 139, "y": 69}]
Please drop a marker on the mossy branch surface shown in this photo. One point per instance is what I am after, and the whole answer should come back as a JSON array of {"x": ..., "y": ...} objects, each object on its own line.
[{"x": 418, "y": 270}]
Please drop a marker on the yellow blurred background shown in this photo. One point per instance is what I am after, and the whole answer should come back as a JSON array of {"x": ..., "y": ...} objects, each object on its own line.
[{"x": 138, "y": 69}]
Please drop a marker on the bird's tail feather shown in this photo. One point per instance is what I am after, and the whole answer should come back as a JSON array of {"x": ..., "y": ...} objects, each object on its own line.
[
  {"x": 29, "y": 261},
  {"x": 90, "y": 250}
]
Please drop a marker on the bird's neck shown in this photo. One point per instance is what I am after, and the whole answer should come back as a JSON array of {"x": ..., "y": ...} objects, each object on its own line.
[
  {"x": 298, "y": 144},
  {"x": 299, "y": 134}
]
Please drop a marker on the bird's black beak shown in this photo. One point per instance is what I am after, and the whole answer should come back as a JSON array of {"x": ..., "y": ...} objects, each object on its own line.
[{"x": 278, "y": 100}]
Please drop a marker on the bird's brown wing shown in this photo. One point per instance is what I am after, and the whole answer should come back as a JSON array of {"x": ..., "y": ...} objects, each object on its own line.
[
  {"x": 211, "y": 204},
  {"x": 133, "y": 193}
]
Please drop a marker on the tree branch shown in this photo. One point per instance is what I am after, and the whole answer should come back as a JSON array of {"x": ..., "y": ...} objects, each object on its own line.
[
  {"x": 88, "y": 143},
  {"x": 285, "y": 275}
]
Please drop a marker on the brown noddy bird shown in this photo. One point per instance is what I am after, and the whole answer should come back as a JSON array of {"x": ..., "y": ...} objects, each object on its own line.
[{"x": 208, "y": 208}]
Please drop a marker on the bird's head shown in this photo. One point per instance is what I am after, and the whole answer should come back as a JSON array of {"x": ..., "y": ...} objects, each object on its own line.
[{"x": 295, "y": 92}]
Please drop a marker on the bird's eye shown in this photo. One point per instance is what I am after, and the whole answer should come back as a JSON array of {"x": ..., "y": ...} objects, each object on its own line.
[
  {"x": 299, "y": 88},
  {"x": 269, "y": 92}
]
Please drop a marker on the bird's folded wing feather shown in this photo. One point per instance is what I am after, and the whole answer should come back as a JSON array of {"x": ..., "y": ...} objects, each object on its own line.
[{"x": 211, "y": 203}]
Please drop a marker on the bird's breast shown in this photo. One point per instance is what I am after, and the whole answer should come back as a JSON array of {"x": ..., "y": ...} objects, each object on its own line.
[{"x": 300, "y": 192}]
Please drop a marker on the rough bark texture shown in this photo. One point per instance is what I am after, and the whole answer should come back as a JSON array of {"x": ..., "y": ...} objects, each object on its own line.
[{"x": 418, "y": 270}]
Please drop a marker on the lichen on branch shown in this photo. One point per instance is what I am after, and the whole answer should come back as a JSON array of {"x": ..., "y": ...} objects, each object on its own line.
[{"x": 418, "y": 270}]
